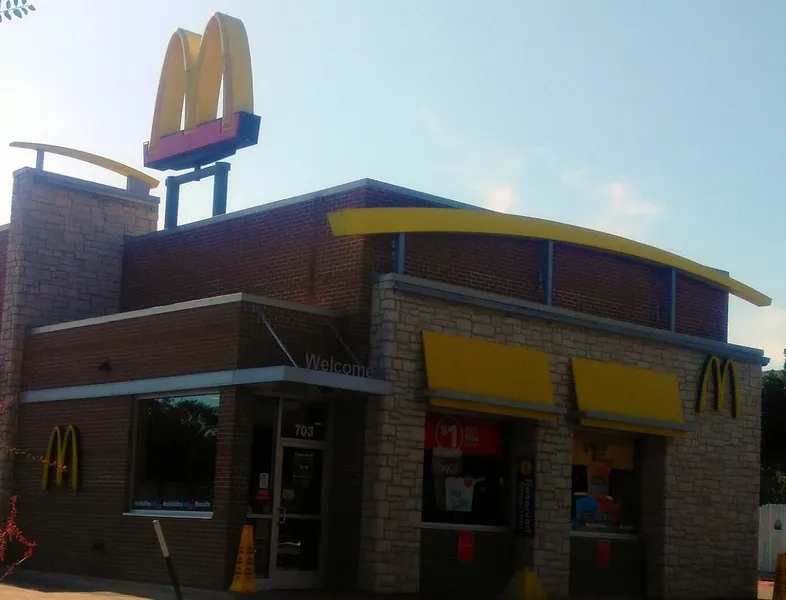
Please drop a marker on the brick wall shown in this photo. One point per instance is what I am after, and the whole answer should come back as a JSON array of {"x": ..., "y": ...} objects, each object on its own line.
[
  {"x": 700, "y": 493},
  {"x": 197, "y": 340},
  {"x": 702, "y": 310},
  {"x": 176, "y": 343},
  {"x": 69, "y": 525},
  {"x": 601, "y": 284},
  {"x": 4, "y": 235},
  {"x": 63, "y": 262},
  {"x": 507, "y": 266},
  {"x": 289, "y": 253}
]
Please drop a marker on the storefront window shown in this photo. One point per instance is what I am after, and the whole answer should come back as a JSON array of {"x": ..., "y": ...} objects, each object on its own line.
[
  {"x": 605, "y": 484},
  {"x": 464, "y": 471},
  {"x": 176, "y": 453}
]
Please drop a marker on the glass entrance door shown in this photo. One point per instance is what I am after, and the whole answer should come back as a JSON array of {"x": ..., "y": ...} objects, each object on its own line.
[
  {"x": 297, "y": 546},
  {"x": 287, "y": 493}
]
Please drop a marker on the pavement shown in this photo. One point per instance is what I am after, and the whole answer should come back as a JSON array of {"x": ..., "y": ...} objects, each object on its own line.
[{"x": 39, "y": 586}]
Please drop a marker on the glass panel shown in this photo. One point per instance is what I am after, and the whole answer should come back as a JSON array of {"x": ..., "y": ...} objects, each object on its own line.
[
  {"x": 262, "y": 529},
  {"x": 298, "y": 545},
  {"x": 301, "y": 481},
  {"x": 176, "y": 456},
  {"x": 304, "y": 420},
  {"x": 465, "y": 471},
  {"x": 261, "y": 480}
]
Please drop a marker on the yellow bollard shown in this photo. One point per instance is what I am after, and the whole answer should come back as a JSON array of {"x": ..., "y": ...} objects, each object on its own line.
[
  {"x": 244, "y": 581},
  {"x": 525, "y": 585}
]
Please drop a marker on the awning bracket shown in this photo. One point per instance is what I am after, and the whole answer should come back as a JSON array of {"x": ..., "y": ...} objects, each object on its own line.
[
  {"x": 344, "y": 344},
  {"x": 256, "y": 309},
  {"x": 578, "y": 415}
]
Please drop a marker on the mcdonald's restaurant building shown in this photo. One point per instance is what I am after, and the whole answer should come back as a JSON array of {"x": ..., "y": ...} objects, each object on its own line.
[{"x": 401, "y": 393}]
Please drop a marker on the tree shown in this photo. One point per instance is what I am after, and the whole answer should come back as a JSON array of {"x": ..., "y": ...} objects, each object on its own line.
[
  {"x": 15, "y": 8},
  {"x": 773, "y": 437}
]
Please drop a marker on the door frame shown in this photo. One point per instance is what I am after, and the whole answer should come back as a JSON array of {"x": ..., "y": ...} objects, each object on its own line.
[{"x": 298, "y": 580}]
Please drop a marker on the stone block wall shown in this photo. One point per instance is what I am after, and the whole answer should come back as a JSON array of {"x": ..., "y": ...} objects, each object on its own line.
[
  {"x": 700, "y": 510},
  {"x": 64, "y": 262}
]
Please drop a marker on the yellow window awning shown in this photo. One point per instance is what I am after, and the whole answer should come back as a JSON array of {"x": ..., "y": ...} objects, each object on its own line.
[
  {"x": 469, "y": 374},
  {"x": 613, "y": 396}
]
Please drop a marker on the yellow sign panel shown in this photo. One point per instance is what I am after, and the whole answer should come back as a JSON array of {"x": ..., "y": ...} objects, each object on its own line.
[
  {"x": 192, "y": 74},
  {"x": 617, "y": 453},
  {"x": 723, "y": 373},
  {"x": 58, "y": 460}
]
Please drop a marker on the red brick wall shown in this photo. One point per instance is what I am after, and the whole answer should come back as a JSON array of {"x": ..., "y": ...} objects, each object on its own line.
[
  {"x": 609, "y": 286},
  {"x": 702, "y": 310},
  {"x": 215, "y": 338},
  {"x": 67, "y": 524},
  {"x": 290, "y": 253},
  {"x": 507, "y": 266},
  {"x": 3, "y": 256},
  {"x": 176, "y": 343}
]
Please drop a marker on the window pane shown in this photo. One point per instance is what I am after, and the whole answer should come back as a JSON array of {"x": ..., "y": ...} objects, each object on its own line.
[
  {"x": 303, "y": 420},
  {"x": 605, "y": 485},
  {"x": 176, "y": 453},
  {"x": 464, "y": 472}
]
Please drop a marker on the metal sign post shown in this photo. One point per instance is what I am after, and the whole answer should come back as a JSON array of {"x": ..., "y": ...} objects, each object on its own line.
[{"x": 169, "y": 566}]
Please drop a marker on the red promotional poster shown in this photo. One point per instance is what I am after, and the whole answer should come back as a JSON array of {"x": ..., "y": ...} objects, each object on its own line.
[
  {"x": 466, "y": 546},
  {"x": 471, "y": 436},
  {"x": 603, "y": 557}
]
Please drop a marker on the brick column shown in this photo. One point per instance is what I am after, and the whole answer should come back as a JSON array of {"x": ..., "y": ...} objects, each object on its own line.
[
  {"x": 553, "y": 471},
  {"x": 64, "y": 262},
  {"x": 393, "y": 461}
]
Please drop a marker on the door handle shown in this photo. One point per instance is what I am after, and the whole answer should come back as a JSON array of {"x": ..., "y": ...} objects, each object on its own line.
[{"x": 281, "y": 514}]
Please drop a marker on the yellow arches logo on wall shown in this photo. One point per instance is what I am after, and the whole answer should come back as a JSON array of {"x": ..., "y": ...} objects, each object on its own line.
[
  {"x": 58, "y": 460},
  {"x": 723, "y": 373}
]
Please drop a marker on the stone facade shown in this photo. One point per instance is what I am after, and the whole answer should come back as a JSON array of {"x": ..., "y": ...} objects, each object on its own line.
[
  {"x": 700, "y": 492},
  {"x": 64, "y": 262}
]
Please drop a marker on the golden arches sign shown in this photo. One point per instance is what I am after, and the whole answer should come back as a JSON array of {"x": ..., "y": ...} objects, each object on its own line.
[
  {"x": 58, "y": 461},
  {"x": 188, "y": 93},
  {"x": 722, "y": 372}
]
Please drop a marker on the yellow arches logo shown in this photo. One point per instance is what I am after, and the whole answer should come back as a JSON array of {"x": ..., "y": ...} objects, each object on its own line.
[
  {"x": 186, "y": 130},
  {"x": 58, "y": 460},
  {"x": 723, "y": 373}
]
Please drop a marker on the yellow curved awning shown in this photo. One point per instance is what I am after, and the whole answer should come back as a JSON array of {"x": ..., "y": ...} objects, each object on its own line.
[
  {"x": 613, "y": 396},
  {"x": 370, "y": 221},
  {"x": 465, "y": 373}
]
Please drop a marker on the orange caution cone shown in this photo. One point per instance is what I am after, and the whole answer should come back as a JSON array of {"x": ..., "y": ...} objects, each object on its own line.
[{"x": 244, "y": 581}]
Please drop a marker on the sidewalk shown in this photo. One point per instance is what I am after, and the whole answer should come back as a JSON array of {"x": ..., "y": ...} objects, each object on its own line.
[{"x": 30, "y": 585}]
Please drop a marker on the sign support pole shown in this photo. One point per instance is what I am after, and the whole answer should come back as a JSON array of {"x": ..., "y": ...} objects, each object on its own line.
[
  {"x": 167, "y": 559},
  {"x": 219, "y": 171}
]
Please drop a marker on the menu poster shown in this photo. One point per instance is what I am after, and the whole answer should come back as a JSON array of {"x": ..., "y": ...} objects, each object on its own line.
[
  {"x": 459, "y": 492},
  {"x": 477, "y": 437},
  {"x": 525, "y": 499}
]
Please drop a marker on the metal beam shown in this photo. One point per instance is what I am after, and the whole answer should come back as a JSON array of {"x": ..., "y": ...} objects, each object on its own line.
[
  {"x": 673, "y": 300},
  {"x": 549, "y": 283}
]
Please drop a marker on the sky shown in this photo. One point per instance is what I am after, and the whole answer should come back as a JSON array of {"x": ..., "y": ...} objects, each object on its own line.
[{"x": 661, "y": 121}]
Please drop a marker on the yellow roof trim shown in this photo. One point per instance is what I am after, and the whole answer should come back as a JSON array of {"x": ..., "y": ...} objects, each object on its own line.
[
  {"x": 93, "y": 159},
  {"x": 370, "y": 221}
]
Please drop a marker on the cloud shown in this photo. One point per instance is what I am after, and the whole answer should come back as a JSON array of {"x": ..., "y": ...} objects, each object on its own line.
[
  {"x": 763, "y": 328},
  {"x": 499, "y": 199},
  {"x": 490, "y": 174},
  {"x": 531, "y": 180},
  {"x": 619, "y": 207}
]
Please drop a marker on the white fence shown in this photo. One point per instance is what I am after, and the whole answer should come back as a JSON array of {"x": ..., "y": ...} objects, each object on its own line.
[{"x": 772, "y": 535}]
